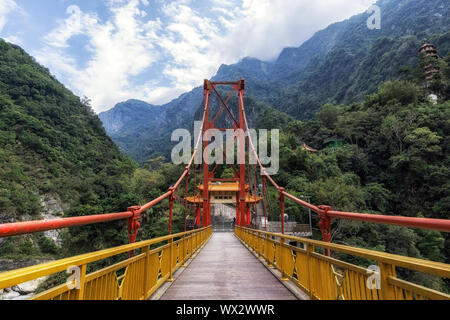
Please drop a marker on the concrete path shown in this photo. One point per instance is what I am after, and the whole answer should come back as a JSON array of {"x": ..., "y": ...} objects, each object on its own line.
[{"x": 226, "y": 270}]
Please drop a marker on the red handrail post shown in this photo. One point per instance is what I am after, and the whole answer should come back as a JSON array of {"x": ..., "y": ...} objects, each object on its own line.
[
  {"x": 281, "y": 199},
  {"x": 133, "y": 225},
  {"x": 325, "y": 225},
  {"x": 188, "y": 174},
  {"x": 171, "y": 202}
]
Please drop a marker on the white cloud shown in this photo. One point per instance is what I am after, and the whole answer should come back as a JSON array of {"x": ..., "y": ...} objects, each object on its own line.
[
  {"x": 191, "y": 44},
  {"x": 120, "y": 49},
  {"x": 268, "y": 26},
  {"x": 10, "y": 11},
  {"x": 13, "y": 39},
  {"x": 7, "y": 8}
]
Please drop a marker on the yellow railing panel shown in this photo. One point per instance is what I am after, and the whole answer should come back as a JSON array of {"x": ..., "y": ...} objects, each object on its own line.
[
  {"x": 135, "y": 278},
  {"x": 301, "y": 269},
  {"x": 326, "y": 278}
]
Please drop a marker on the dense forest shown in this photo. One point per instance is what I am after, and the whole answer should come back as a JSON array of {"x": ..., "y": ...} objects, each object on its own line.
[{"x": 52, "y": 146}]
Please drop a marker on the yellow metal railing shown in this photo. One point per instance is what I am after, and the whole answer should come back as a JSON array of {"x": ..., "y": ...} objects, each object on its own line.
[
  {"x": 136, "y": 278},
  {"x": 326, "y": 278}
]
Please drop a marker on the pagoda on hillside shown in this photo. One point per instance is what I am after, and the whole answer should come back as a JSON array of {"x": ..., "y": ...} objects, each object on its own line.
[
  {"x": 307, "y": 148},
  {"x": 428, "y": 56}
]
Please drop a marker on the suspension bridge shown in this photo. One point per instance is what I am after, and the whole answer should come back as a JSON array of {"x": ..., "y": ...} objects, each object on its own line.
[{"x": 251, "y": 263}]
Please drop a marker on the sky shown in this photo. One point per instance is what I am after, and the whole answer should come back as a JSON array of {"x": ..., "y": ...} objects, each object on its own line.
[{"x": 154, "y": 50}]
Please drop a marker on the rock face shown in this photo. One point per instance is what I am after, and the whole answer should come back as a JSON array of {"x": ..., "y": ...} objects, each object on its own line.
[
  {"x": 52, "y": 208},
  {"x": 224, "y": 212},
  {"x": 130, "y": 113},
  {"x": 51, "y": 205},
  {"x": 133, "y": 124},
  {"x": 222, "y": 218},
  {"x": 22, "y": 291},
  {"x": 8, "y": 294}
]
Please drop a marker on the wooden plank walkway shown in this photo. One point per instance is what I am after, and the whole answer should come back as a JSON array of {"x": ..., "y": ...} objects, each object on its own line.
[{"x": 226, "y": 270}]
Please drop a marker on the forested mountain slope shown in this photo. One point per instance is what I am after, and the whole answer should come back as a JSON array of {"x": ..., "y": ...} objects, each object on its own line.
[{"x": 54, "y": 152}]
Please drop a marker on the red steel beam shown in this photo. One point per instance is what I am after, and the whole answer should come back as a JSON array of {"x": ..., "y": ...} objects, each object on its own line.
[
  {"x": 207, "y": 125},
  {"x": 220, "y": 111},
  {"x": 241, "y": 147},
  {"x": 225, "y": 82},
  {"x": 224, "y": 105}
]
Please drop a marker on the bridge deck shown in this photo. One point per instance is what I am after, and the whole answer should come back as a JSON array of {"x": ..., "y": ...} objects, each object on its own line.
[{"x": 226, "y": 270}]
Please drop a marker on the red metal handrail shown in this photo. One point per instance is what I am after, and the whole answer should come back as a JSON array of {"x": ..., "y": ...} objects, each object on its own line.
[
  {"x": 412, "y": 222},
  {"x": 18, "y": 228}
]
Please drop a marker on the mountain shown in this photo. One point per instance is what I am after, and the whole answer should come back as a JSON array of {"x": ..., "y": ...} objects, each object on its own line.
[
  {"x": 54, "y": 153},
  {"x": 128, "y": 112},
  {"x": 144, "y": 131},
  {"x": 145, "y": 134},
  {"x": 340, "y": 64}
]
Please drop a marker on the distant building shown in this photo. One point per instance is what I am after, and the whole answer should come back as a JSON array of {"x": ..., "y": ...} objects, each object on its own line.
[
  {"x": 308, "y": 148},
  {"x": 428, "y": 56}
]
